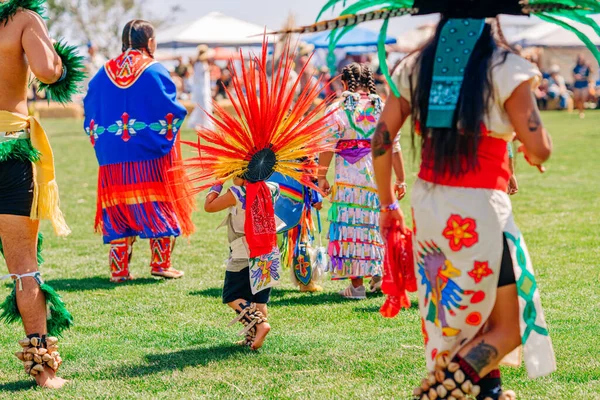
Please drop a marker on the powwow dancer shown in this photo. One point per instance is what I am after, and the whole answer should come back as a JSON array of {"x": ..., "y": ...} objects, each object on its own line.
[
  {"x": 133, "y": 120},
  {"x": 28, "y": 189},
  {"x": 477, "y": 291},
  {"x": 268, "y": 133},
  {"x": 355, "y": 243}
]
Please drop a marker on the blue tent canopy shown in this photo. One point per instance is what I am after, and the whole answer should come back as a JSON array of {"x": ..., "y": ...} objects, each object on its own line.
[{"x": 357, "y": 37}]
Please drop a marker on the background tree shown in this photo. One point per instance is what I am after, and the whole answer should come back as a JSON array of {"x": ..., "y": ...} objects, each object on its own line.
[{"x": 100, "y": 21}]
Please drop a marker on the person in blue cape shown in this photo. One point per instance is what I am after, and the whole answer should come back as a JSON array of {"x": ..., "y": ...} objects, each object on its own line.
[{"x": 133, "y": 120}]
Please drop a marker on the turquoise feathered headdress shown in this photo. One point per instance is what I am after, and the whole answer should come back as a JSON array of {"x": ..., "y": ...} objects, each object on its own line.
[{"x": 559, "y": 12}]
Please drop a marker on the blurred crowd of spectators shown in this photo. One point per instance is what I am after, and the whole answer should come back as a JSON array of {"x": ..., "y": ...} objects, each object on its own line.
[
  {"x": 186, "y": 70},
  {"x": 580, "y": 93}
]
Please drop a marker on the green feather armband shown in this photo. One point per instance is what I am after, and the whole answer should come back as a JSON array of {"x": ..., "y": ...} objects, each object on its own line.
[
  {"x": 9, "y": 8},
  {"x": 72, "y": 75}
]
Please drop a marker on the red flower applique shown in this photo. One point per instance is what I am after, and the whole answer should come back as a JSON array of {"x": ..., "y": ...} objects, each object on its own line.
[
  {"x": 480, "y": 271},
  {"x": 461, "y": 232}
]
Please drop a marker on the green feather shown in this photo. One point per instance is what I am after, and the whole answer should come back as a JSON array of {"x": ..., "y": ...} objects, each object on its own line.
[
  {"x": 59, "y": 318},
  {"x": 18, "y": 149},
  {"x": 40, "y": 248},
  {"x": 9, "y": 9},
  {"x": 63, "y": 91},
  {"x": 10, "y": 311},
  {"x": 383, "y": 59},
  {"x": 359, "y": 6},
  {"x": 590, "y": 45}
]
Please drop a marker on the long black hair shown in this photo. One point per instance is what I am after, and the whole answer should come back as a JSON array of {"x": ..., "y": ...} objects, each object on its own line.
[
  {"x": 454, "y": 150},
  {"x": 137, "y": 35}
]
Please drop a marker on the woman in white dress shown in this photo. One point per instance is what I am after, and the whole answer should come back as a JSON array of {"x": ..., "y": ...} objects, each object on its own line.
[{"x": 201, "y": 90}]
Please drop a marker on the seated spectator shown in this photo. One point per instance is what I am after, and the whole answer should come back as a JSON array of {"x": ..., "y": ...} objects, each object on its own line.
[{"x": 541, "y": 95}]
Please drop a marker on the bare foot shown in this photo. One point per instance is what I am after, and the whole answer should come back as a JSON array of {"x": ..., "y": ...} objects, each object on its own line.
[
  {"x": 49, "y": 380},
  {"x": 508, "y": 395},
  {"x": 262, "y": 331}
]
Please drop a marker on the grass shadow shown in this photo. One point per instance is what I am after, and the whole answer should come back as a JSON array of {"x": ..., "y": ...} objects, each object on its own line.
[
  {"x": 17, "y": 386},
  {"x": 376, "y": 308},
  {"x": 210, "y": 292},
  {"x": 310, "y": 299},
  {"x": 96, "y": 283},
  {"x": 217, "y": 292},
  {"x": 179, "y": 360}
]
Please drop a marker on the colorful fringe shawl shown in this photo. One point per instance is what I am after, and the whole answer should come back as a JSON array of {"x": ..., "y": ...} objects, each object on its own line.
[
  {"x": 355, "y": 245},
  {"x": 133, "y": 121},
  {"x": 145, "y": 198},
  {"x": 46, "y": 199},
  {"x": 398, "y": 272}
]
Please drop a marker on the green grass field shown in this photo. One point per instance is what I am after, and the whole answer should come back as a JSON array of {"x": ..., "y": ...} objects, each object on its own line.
[{"x": 170, "y": 340}]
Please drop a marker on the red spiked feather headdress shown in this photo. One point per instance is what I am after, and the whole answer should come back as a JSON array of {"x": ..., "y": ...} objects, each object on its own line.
[{"x": 270, "y": 131}]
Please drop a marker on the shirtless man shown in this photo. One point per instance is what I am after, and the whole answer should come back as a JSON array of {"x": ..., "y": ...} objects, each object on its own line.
[{"x": 24, "y": 47}]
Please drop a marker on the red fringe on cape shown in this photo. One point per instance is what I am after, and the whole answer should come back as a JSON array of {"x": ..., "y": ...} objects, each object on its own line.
[{"x": 155, "y": 186}]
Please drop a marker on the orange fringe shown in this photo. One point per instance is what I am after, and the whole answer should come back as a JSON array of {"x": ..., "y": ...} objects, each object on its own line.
[{"x": 155, "y": 186}]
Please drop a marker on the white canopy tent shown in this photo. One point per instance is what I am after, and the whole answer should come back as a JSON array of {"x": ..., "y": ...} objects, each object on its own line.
[
  {"x": 554, "y": 45},
  {"x": 215, "y": 30},
  {"x": 545, "y": 34}
]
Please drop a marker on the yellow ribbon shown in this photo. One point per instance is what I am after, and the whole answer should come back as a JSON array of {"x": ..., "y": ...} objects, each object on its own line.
[{"x": 46, "y": 200}]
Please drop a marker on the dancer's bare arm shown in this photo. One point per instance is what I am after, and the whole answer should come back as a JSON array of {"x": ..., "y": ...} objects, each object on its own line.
[
  {"x": 44, "y": 62},
  {"x": 394, "y": 115},
  {"x": 525, "y": 117},
  {"x": 215, "y": 203}
]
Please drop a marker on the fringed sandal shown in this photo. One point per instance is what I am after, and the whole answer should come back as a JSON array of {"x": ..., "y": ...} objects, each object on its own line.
[
  {"x": 250, "y": 317},
  {"x": 39, "y": 352}
]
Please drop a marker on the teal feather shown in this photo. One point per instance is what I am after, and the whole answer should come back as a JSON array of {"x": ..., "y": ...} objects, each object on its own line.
[
  {"x": 385, "y": 69},
  {"x": 578, "y": 11},
  {"x": 9, "y": 9},
  {"x": 590, "y": 45},
  {"x": 63, "y": 91}
]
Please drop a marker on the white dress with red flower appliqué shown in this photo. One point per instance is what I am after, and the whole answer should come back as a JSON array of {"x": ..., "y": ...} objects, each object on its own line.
[{"x": 459, "y": 242}]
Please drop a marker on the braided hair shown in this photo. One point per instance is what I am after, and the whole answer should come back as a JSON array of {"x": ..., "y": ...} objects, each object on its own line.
[
  {"x": 137, "y": 35},
  {"x": 367, "y": 79},
  {"x": 360, "y": 76},
  {"x": 352, "y": 76}
]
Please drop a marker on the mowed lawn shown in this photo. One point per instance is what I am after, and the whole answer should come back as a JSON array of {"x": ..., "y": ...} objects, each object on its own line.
[{"x": 157, "y": 339}]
